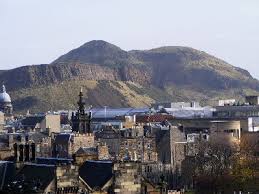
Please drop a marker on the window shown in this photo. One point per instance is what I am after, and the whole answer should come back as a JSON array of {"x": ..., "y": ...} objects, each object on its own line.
[
  {"x": 149, "y": 156},
  {"x": 229, "y": 131}
]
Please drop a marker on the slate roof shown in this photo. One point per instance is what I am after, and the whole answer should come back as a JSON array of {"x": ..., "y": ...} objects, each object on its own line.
[
  {"x": 3, "y": 141},
  {"x": 7, "y": 171},
  {"x": 107, "y": 133},
  {"x": 32, "y": 177},
  {"x": 31, "y": 121},
  {"x": 53, "y": 161},
  {"x": 62, "y": 139},
  {"x": 83, "y": 150},
  {"x": 115, "y": 112},
  {"x": 96, "y": 173},
  {"x": 37, "y": 137}
]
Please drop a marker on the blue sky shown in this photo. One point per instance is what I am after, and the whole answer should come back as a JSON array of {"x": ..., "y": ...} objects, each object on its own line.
[{"x": 39, "y": 31}]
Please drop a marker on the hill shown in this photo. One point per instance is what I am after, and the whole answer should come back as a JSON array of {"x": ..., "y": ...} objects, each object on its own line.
[{"x": 114, "y": 77}]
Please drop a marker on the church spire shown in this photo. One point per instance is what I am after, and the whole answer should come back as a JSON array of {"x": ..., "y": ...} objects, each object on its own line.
[
  {"x": 81, "y": 104},
  {"x": 81, "y": 120}
]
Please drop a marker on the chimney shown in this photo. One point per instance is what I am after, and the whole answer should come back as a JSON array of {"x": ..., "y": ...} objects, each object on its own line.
[
  {"x": 10, "y": 140},
  {"x": 33, "y": 154},
  {"x": 27, "y": 153},
  {"x": 21, "y": 153},
  {"x": 15, "y": 148}
]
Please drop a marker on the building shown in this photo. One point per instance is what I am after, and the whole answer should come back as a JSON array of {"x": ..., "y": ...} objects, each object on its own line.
[
  {"x": 24, "y": 152},
  {"x": 2, "y": 121},
  {"x": 127, "y": 178},
  {"x": 159, "y": 106},
  {"x": 237, "y": 110},
  {"x": 7, "y": 173},
  {"x": 48, "y": 123},
  {"x": 81, "y": 120},
  {"x": 33, "y": 178},
  {"x": 111, "y": 137},
  {"x": 96, "y": 177},
  {"x": 227, "y": 102},
  {"x": 171, "y": 145},
  {"x": 6, "y": 103},
  {"x": 67, "y": 179},
  {"x": 65, "y": 145},
  {"x": 84, "y": 154},
  {"x": 142, "y": 149}
]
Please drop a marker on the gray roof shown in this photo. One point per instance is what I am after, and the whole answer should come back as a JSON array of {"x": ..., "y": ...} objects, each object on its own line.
[
  {"x": 7, "y": 171},
  {"x": 83, "y": 150},
  {"x": 96, "y": 173},
  {"x": 62, "y": 138},
  {"x": 32, "y": 178},
  {"x": 32, "y": 121},
  {"x": 113, "y": 112}
]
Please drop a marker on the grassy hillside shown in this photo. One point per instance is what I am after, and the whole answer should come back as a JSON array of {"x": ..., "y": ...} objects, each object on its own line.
[
  {"x": 111, "y": 76},
  {"x": 64, "y": 96}
]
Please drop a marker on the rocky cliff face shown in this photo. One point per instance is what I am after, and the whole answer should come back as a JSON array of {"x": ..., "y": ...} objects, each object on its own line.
[{"x": 174, "y": 72}]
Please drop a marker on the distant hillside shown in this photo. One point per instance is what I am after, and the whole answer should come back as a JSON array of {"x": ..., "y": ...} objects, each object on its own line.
[{"x": 114, "y": 77}]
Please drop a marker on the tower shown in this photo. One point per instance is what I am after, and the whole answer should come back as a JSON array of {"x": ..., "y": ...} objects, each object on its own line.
[
  {"x": 6, "y": 103},
  {"x": 81, "y": 120}
]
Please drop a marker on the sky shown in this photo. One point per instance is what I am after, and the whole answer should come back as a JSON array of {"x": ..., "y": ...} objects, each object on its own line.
[{"x": 39, "y": 31}]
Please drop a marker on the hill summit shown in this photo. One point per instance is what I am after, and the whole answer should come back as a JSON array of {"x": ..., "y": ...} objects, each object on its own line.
[{"x": 114, "y": 77}]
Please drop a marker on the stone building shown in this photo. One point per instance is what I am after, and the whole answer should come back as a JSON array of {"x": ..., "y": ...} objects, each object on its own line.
[
  {"x": 48, "y": 123},
  {"x": 142, "y": 149},
  {"x": 111, "y": 137},
  {"x": 33, "y": 178},
  {"x": 6, "y": 103},
  {"x": 170, "y": 145},
  {"x": 67, "y": 179},
  {"x": 96, "y": 177},
  {"x": 127, "y": 178},
  {"x": 66, "y": 144},
  {"x": 103, "y": 152},
  {"x": 2, "y": 121},
  {"x": 43, "y": 147},
  {"x": 24, "y": 152},
  {"x": 84, "y": 154},
  {"x": 227, "y": 130},
  {"x": 44, "y": 178}
]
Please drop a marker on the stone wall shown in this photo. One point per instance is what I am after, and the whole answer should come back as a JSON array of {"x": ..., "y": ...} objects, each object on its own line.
[
  {"x": 178, "y": 148},
  {"x": 138, "y": 149},
  {"x": 51, "y": 124},
  {"x": 103, "y": 152},
  {"x": 82, "y": 140},
  {"x": 127, "y": 178},
  {"x": 67, "y": 177}
]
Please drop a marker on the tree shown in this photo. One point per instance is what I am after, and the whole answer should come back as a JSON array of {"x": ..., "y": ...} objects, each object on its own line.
[{"x": 209, "y": 167}]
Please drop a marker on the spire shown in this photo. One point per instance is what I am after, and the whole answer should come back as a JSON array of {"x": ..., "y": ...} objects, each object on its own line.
[
  {"x": 80, "y": 103},
  {"x": 81, "y": 120}
]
